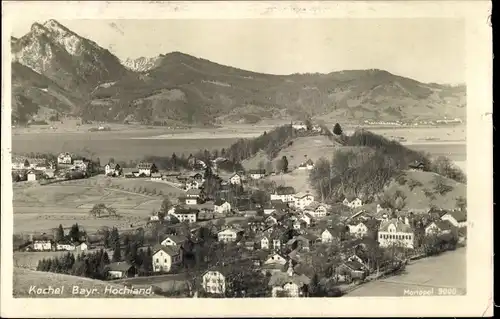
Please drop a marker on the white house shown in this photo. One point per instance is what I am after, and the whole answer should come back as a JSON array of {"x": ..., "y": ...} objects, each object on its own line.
[
  {"x": 299, "y": 126},
  {"x": 395, "y": 232},
  {"x": 439, "y": 227},
  {"x": 284, "y": 194},
  {"x": 221, "y": 206},
  {"x": 257, "y": 173},
  {"x": 235, "y": 179},
  {"x": 358, "y": 230},
  {"x": 165, "y": 257},
  {"x": 81, "y": 247},
  {"x": 276, "y": 259},
  {"x": 173, "y": 240},
  {"x": 355, "y": 203},
  {"x": 301, "y": 200},
  {"x": 316, "y": 210},
  {"x": 289, "y": 284},
  {"x": 64, "y": 158},
  {"x": 80, "y": 164},
  {"x": 214, "y": 281},
  {"x": 119, "y": 270},
  {"x": 33, "y": 176},
  {"x": 156, "y": 177},
  {"x": 456, "y": 217},
  {"x": 42, "y": 245},
  {"x": 65, "y": 246},
  {"x": 228, "y": 235},
  {"x": 264, "y": 242},
  {"x": 146, "y": 168},
  {"x": 328, "y": 236},
  {"x": 307, "y": 218},
  {"x": 185, "y": 214},
  {"x": 112, "y": 169},
  {"x": 193, "y": 184}
]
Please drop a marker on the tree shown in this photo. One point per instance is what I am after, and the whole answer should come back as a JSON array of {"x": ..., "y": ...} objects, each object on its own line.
[
  {"x": 269, "y": 167},
  {"x": 309, "y": 124},
  {"x": 117, "y": 254},
  {"x": 284, "y": 164},
  {"x": 461, "y": 203},
  {"x": 60, "y": 233},
  {"x": 106, "y": 238},
  {"x": 337, "y": 130},
  {"x": 74, "y": 233},
  {"x": 261, "y": 165},
  {"x": 166, "y": 205},
  {"x": 173, "y": 161},
  {"x": 26, "y": 163},
  {"x": 114, "y": 238}
]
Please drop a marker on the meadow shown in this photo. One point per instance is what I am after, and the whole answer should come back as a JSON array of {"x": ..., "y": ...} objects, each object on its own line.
[{"x": 42, "y": 208}]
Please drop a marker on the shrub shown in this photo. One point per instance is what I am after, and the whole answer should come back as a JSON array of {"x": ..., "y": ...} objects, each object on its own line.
[{"x": 412, "y": 183}]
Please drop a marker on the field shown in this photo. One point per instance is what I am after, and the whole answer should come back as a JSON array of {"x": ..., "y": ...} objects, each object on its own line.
[
  {"x": 444, "y": 271},
  {"x": 41, "y": 208},
  {"x": 24, "y": 279}
]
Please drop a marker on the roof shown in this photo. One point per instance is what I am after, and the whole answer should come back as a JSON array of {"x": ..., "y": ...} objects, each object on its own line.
[
  {"x": 285, "y": 190},
  {"x": 219, "y": 202},
  {"x": 278, "y": 204},
  {"x": 354, "y": 265},
  {"x": 187, "y": 210},
  {"x": 400, "y": 226},
  {"x": 193, "y": 191},
  {"x": 156, "y": 175},
  {"x": 314, "y": 205},
  {"x": 257, "y": 171},
  {"x": 176, "y": 239},
  {"x": 416, "y": 165},
  {"x": 302, "y": 194},
  {"x": 443, "y": 224},
  {"x": 459, "y": 216},
  {"x": 282, "y": 278},
  {"x": 144, "y": 165},
  {"x": 119, "y": 266},
  {"x": 171, "y": 250}
]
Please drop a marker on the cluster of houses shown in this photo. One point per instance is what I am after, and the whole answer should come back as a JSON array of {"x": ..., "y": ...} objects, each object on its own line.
[
  {"x": 33, "y": 169},
  {"x": 46, "y": 242}
]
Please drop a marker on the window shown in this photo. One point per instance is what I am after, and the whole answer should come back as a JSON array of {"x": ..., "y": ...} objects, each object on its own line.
[
  {"x": 165, "y": 260},
  {"x": 157, "y": 260}
]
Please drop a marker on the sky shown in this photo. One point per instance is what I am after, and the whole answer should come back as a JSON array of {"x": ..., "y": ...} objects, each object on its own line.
[{"x": 425, "y": 49}]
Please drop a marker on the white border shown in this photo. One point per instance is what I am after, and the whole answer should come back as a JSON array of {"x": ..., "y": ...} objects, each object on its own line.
[{"x": 478, "y": 301}]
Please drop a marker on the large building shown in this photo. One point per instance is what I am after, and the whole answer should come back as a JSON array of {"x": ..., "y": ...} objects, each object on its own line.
[{"x": 395, "y": 232}]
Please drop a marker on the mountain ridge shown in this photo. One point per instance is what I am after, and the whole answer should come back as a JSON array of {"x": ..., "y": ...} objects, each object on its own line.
[{"x": 177, "y": 87}]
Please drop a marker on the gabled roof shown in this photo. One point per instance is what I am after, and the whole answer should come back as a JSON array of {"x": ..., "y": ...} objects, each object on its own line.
[
  {"x": 257, "y": 171},
  {"x": 119, "y": 266},
  {"x": 171, "y": 250},
  {"x": 443, "y": 224},
  {"x": 458, "y": 215},
  {"x": 303, "y": 194},
  {"x": 285, "y": 190},
  {"x": 176, "y": 239},
  {"x": 144, "y": 165},
  {"x": 279, "y": 279},
  {"x": 219, "y": 202},
  {"x": 354, "y": 265},
  {"x": 400, "y": 226}
]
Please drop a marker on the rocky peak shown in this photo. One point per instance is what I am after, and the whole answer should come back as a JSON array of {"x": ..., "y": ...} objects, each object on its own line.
[{"x": 37, "y": 29}]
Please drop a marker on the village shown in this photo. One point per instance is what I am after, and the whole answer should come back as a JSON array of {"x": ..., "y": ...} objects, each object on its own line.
[{"x": 293, "y": 240}]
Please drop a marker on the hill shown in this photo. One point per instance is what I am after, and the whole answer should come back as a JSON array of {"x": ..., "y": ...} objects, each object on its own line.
[
  {"x": 421, "y": 191},
  {"x": 24, "y": 279},
  {"x": 177, "y": 87}
]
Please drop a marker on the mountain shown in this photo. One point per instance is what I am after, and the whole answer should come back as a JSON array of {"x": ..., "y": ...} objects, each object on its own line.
[
  {"x": 141, "y": 64},
  {"x": 177, "y": 87},
  {"x": 73, "y": 62}
]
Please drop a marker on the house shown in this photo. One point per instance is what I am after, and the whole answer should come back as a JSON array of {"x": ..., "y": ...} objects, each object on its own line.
[
  {"x": 156, "y": 177},
  {"x": 257, "y": 173},
  {"x": 214, "y": 281},
  {"x": 358, "y": 230},
  {"x": 334, "y": 233},
  {"x": 64, "y": 158},
  {"x": 439, "y": 227},
  {"x": 146, "y": 168},
  {"x": 264, "y": 242},
  {"x": 271, "y": 220},
  {"x": 173, "y": 240},
  {"x": 112, "y": 169},
  {"x": 316, "y": 210},
  {"x": 456, "y": 217},
  {"x": 307, "y": 165},
  {"x": 65, "y": 246},
  {"x": 284, "y": 194},
  {"x": 121, "y": 269},
  {"x": 288, "y": 284},
  {"x": 395, "y": 232},
  {"x": 81, "y": 246},
  {"x": 352, "y": 269},
  {"x": 301, "y": 200},
  {"x": 275, "y": 259},
  {"x": 194, "y": 193},
  {"x": 299, "y": 126},
  {"x": 42, "y": 245},
  {"x": 235, "y": 179},
  {"x": 197, "y": 177},
  {"x": 165, "y": 257},
  {"x": 221, "y": 206},
  {"x": 229, "y": 234},
  {"x": 184, "y": 200},
  {"x": 81, "y": 164},
  {"x": 186, "y": 214},
  {"x": 306, "y": 218},
  {"x": 355, "y": 203},
  {"x": 193, "y": 184},
  {"x": 34, "y": 175},
  {"x": 417, "y": 166}
]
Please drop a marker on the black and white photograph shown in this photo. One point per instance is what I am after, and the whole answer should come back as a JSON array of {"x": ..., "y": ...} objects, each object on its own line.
[{"x": 220, "y": 158}]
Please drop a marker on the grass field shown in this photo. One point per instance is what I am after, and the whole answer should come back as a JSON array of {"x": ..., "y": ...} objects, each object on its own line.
[
  {"x": 444, "y": 271},
  {"x": 24, "y": 279},
  {"x": 42, "y": 208}
]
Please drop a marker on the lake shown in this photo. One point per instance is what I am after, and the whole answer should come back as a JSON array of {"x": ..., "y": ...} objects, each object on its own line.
[{"x": 125, "y": 146}]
